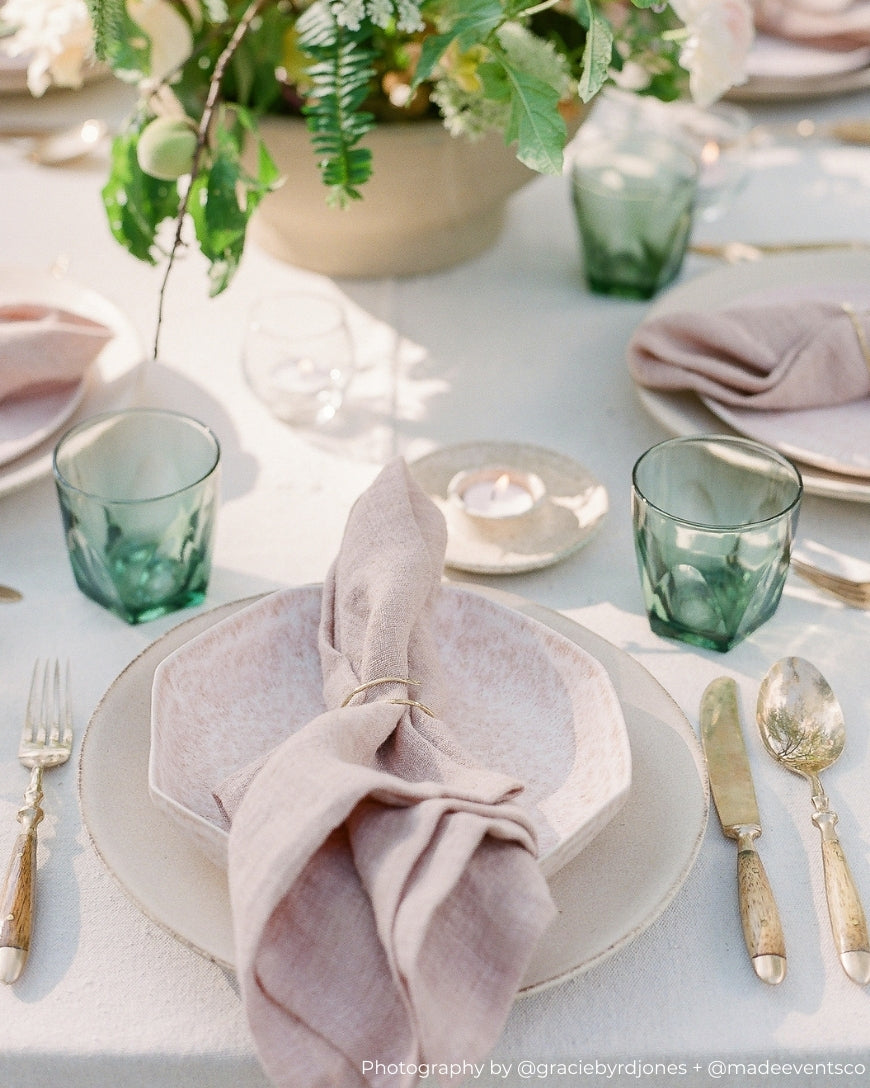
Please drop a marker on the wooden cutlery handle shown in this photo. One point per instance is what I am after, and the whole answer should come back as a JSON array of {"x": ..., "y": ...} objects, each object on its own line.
[
  {"x": 762, "y": 929},
  {"x": 19, "y": 888},
  {"x": 848, "y": 923}
]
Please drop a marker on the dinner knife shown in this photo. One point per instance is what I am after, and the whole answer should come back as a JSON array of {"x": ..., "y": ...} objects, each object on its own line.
[{"x": 734, "y": 796}]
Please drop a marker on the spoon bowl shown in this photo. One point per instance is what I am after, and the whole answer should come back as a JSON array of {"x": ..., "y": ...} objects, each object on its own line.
[
  {"x": 802, "y": 727},
  {"x": 68, "y": 145},
  {"x": 800, "y": 720}
]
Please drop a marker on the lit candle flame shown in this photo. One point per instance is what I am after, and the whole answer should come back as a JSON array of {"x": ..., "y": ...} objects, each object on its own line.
[
  {"x": 500, "y": 486},
  {"x": 710, "y": 153}
]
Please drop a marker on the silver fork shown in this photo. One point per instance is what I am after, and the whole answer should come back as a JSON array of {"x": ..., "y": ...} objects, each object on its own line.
[{"x": 46, "y": 741}]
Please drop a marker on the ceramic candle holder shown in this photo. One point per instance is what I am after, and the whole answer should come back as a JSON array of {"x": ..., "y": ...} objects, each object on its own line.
[{"x": 496, "y": 494}]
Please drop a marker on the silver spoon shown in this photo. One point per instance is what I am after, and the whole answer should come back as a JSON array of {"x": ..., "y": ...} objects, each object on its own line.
[
  {"x": 56, "y": 147},
  {"x": 68, "y": 145},
  {"x": 802, "y": 727}
]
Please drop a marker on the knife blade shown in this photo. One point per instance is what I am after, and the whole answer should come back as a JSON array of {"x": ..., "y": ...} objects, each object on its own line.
[{"x": 734, "y": 797}]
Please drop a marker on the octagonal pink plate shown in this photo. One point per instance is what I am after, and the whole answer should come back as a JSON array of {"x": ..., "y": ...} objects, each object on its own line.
[{"x": 518, "y": 696}]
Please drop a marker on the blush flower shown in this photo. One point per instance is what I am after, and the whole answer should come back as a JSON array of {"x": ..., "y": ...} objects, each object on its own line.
[{"x": 717, "y": 39}]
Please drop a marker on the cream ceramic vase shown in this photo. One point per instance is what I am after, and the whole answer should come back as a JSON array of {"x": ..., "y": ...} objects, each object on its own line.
[{"x": 433, "y": 200}]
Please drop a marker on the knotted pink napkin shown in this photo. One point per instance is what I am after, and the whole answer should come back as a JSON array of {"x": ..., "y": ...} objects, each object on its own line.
[
  {"x": 843, "y": 29},
  {"x": 43, "y": 348},
  {"x": 799, "y": 355},
  {"x": 385, "y": 895}
]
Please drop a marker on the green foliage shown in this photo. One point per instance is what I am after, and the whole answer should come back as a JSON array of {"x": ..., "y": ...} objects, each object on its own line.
[
  {"x": 107, "y": 18},
  {"x": 223, "y": 198},
  {"x": 472, "y": 58},
  {"x": 477, "y": 22},
  {"x": 118, "y": 40},
  {"x": 534, "y": 121},
  {"x": 341, "y": 74},
  {"x": 597, "y": 55},
  {"x": 136, "y": 204}
]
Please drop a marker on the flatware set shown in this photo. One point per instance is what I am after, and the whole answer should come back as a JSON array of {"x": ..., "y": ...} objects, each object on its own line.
[{"x": 801, "y": 725}]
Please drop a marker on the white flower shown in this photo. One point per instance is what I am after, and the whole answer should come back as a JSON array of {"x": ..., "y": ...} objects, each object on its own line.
[
  {"x": 350, "y": 13},
  {"x": 57, "y": 38},
  {"x": 719, "y": 35}
]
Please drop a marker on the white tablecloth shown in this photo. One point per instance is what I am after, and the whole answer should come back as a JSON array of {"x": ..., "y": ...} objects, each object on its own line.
[{"x": 509, "y": 346}]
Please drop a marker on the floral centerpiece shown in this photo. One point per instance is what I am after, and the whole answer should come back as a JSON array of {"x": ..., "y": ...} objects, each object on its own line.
[{"x": 208, "y": 69}]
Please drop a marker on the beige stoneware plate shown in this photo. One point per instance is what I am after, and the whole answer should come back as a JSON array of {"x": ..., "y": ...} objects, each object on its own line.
[
  {"x": 29, "y": 428},
  {"x": 781, "y": 70},
  {"x": 606, "y": 895},
  {"x": 829, "y": 444}
]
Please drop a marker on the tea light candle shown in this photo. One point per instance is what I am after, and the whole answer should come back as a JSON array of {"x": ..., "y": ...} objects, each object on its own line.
[{"x": 497, "y": 492}]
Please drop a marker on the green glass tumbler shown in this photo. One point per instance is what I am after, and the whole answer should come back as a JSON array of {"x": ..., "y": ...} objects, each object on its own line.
[
  {"x": 139, "y": 492},
  {"x": 634, "y": 197},
  {"x": 714, "y": 519}
]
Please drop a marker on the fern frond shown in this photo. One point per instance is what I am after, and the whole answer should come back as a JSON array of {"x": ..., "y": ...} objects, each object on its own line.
[
  {"x": 108, "y": 18},
  {"x": 341, "y": 75}
]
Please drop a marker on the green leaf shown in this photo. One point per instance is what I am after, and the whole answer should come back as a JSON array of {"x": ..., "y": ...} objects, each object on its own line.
[
  {"x": 224, "y": 196},
  {"x": 597, "y": 56},
  {"x": 534, "y": 121},
  {"x": 479, "y": 19},
  {"x": 136, "y": 204}
]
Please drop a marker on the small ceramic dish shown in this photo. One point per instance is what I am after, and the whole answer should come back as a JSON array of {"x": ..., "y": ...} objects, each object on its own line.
[{"x": 567, "y": 509}]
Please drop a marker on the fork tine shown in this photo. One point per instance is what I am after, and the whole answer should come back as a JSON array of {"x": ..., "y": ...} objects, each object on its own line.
[
  {"x": 31, "y": 715},
  {"x": 52, "y": 705},
  {"x": 65, "y": 706}
]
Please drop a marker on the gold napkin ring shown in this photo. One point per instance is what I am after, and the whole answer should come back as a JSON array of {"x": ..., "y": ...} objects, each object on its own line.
[
  {"x": 859, "y": 331},
  {"x": 391, "y": 680}
]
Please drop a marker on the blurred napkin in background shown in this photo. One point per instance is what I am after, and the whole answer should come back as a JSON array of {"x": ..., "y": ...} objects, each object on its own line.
[
  {"x": 43, "y": 347},
  {"x": 783, "y": 356},
  {"x": 385, "y": 894},
  {"x": 827, "y": 24}
]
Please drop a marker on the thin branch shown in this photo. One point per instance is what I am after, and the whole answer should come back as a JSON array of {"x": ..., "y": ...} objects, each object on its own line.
[{"x": 211, "y": 102}]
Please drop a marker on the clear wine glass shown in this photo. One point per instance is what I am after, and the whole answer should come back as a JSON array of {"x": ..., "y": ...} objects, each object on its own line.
[{"x": 298, "y": 355}]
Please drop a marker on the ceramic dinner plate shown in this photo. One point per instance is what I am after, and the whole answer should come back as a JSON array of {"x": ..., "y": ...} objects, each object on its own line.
[
  {"x": 518, "y": 698},
  {"x": 29, "y": 428},
  {"x": 13, "y": 74},
  {"x": 26, "y": 422},
  {"x": 607, "y": 895},
  {"x": 781, "y": 70},
  {"x": 831, "y": 445},
  {"x": 568, "y": 516}
]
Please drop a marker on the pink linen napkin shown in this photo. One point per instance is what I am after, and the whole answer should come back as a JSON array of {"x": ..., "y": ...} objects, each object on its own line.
[
  {"x": 385, "y": 895},
  {"x": 44, "y": 347},
  {"x": 779, "y": 356},
  {"x": 844, "y": 29}
]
